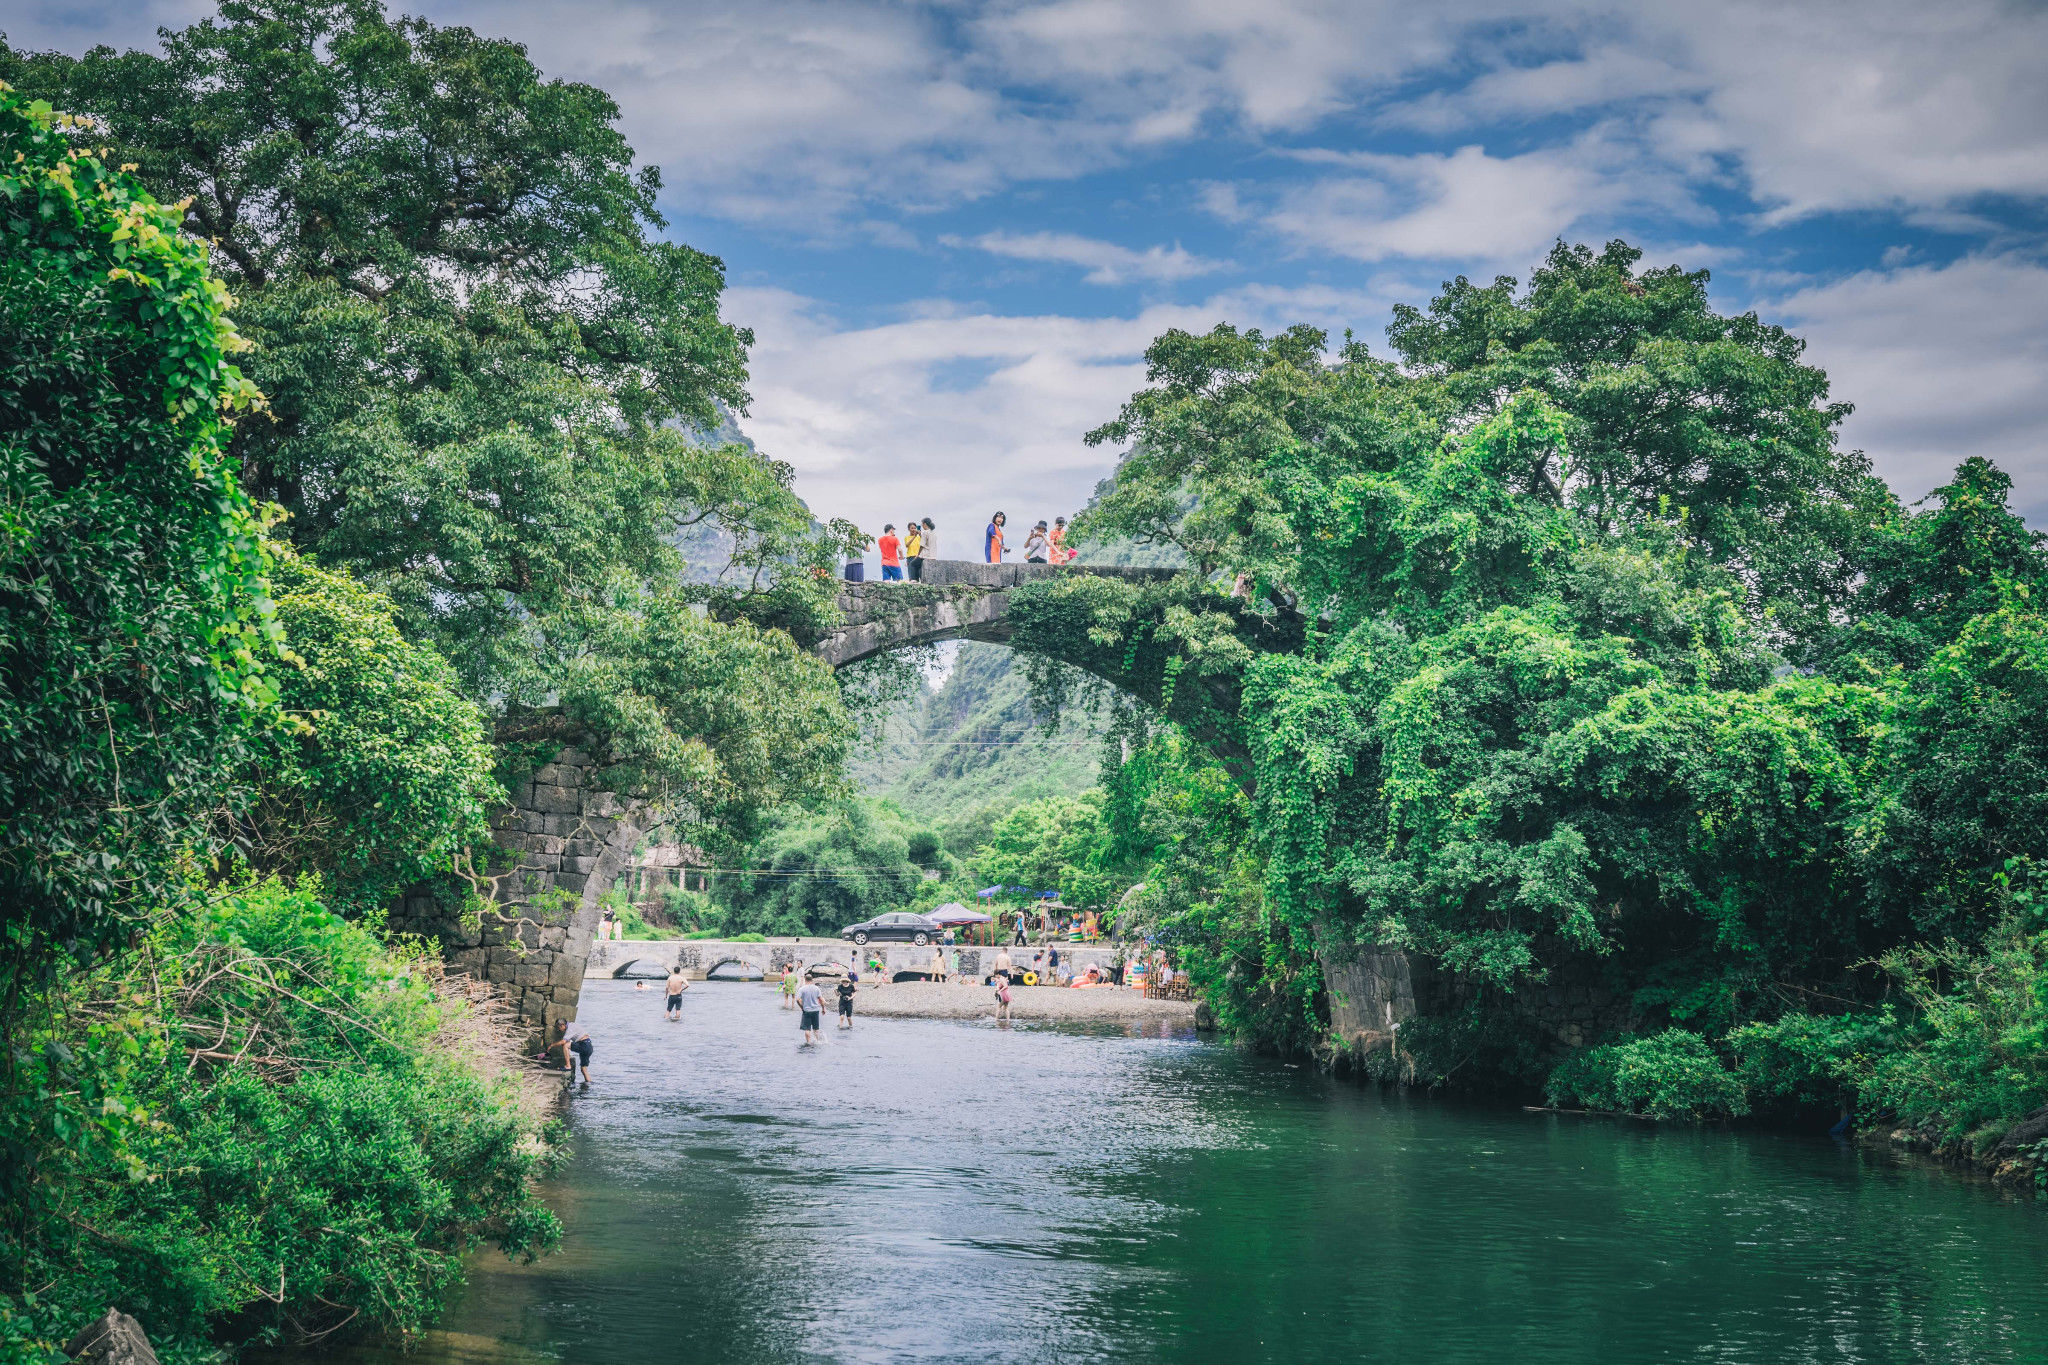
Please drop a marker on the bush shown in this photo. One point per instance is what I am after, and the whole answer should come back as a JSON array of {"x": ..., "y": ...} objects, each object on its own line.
[
  {"x": 1668, "y": 1075},
  {"x": 251, "y": 1126},
  {"x": 388, "y": 776},
  {"x": 134, "y": 619}
]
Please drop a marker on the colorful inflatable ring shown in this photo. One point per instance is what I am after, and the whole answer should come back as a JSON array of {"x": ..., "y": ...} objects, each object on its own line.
[{"x": 1031, "y": 978}]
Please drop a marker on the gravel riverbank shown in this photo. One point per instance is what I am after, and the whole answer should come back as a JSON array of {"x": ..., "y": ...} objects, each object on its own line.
[{"x": 926, "y": 1000}]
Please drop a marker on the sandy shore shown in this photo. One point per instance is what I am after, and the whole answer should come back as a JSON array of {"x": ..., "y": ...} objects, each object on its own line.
[{"x": 925, "y": 1000}]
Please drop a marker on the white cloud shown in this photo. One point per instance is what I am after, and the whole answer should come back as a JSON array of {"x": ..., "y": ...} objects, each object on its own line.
[
  {"x": 1106, "y": 262},
  {"x": 953, "y": 414},
  {"x": 1942, "y": 362},
  {"x": 1462, "y": 205}
]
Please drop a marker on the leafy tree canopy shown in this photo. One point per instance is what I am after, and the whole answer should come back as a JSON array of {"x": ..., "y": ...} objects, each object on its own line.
[
  {"x": 485, "y": 372},
  {"x": 817, "y": 872},
  {"x": 1568, "y": 634}
]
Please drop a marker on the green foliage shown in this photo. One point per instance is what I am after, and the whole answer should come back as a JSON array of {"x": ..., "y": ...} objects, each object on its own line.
[
  {"x": 723, "y": 716},
  {"x": 388, "y": 777},
  {"x": 1962, "y": 1054},
  {"x": 134, "y": 619},
  {"x": 976, "y": 743},
  {"x": 253, "y": 1125},
  {"x": 485, "y": 367},
  {"x": 1048, "y": 845},
  {"x": 817, "y": 872},
  {"x": 1668, "y": 1075},
  {"x": 1572, "y": 636}
]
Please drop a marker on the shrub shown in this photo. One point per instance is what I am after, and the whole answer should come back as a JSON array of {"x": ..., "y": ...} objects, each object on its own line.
[
  {"x": 250, "y": 1126},
  {"x": 1668, "y": 1075}
]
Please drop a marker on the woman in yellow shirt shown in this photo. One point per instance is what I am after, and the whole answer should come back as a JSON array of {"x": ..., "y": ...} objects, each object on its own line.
[{"x": 913, "y": 550}]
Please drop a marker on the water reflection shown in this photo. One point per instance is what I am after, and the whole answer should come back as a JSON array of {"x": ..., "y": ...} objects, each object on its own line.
[{"x": 944, "y": 1191}]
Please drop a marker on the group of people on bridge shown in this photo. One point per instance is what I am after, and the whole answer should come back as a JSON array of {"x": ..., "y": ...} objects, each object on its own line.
[{"x": 903, "y": 556}]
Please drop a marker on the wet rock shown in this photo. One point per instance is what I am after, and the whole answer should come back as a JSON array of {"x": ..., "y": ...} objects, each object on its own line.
[{"x": 116, "y": 1339}]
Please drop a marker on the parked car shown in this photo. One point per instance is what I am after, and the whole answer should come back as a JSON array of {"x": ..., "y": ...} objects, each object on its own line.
[{"x": 901, "y": 926}]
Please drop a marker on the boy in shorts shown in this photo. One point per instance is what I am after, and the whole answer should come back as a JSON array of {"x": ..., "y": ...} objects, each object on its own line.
[
  {"x": 677, "y": 984},
  {"x": 846, "y": 989}
]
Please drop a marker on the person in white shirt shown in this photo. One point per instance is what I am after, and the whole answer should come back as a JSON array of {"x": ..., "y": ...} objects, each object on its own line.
[{"x": 811, "y": 1001}]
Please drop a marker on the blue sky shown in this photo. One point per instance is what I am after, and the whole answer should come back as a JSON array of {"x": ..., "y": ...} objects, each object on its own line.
[{"x": 954, "y": 227}]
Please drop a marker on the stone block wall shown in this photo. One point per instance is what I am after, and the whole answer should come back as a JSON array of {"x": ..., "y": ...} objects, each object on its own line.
[{"x": 560, "y": 845}]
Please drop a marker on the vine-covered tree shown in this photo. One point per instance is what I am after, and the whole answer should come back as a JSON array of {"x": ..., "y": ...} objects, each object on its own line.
[
  {"x": 486, "y": 371},
  {"x": 1570, "y": 636},
  {"x": 134, "y": 619}
]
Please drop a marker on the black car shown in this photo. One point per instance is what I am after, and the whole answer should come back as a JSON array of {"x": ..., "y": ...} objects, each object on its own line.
[{"x": 906, "y": 927}]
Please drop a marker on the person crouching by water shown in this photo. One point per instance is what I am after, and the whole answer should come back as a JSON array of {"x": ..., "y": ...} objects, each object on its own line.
[
  {"x": 811, "y": 1001},
  {"x": 574, "y": 1043},
  {"x": 847, "y": 986},
  {"x": 677, "y": 984}
]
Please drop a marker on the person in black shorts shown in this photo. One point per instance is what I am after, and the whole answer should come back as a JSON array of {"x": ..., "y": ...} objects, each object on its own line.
[
  {"x": 576, "y": 1047},
  {"x": 811, "y": 1001},
  {"x": 846, "y": 989},
  {"x": 677, "y": 984}
]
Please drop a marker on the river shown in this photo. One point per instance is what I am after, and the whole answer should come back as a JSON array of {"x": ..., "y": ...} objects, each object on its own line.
[{"x": 927, "y": 1190}]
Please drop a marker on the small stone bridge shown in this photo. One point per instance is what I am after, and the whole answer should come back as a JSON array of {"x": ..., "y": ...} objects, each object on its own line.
[{"x": 700, "y": 957}]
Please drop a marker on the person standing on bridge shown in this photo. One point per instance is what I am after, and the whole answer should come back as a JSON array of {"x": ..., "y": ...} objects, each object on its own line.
[
  {"x": 1035, "y": 545},
  {"x": 677, "y": 984},
  {"x": 1057, "y": 539},
  {"x": 929, "y": 542},
  {"x": 892, "y": 554},
  {"x": 992, "y": 539},
  {"x": 913, "y": 549}
]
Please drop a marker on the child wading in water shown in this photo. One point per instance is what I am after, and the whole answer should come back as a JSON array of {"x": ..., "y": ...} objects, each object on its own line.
[{"x": 789, "y": 988}]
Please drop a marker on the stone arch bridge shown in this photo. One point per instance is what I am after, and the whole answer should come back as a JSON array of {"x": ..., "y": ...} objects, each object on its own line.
[{"x": 565, "y": 839}]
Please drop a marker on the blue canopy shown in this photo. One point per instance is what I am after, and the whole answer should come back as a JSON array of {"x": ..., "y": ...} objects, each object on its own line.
[{"x": 988, "y": 891}]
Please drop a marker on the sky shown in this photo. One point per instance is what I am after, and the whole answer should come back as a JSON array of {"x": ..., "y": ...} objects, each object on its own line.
[{"x": 953, "y": 227}]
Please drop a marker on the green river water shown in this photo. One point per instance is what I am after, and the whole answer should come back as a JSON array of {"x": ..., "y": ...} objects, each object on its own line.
[{"x": 932, "y": 1190}]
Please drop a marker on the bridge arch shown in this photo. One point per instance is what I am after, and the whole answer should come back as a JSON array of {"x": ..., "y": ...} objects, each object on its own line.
[{"x": 565, "y": 839}]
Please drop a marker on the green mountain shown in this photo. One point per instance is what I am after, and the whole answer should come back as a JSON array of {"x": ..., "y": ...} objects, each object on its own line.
[{"x": 961, "y": 754}]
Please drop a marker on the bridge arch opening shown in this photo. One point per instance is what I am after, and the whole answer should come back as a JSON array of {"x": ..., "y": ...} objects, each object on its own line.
[{"x": 743, "y": 970}]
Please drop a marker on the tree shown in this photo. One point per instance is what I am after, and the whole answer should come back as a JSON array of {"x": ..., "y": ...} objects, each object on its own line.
[
  {"x": 721, "y": 719},
  {"x": 816, "y": 872},
  {"x": 1047, "y": 845},
  {"x": 485, "y": 371},
  {"x": 386, "y": 775},
  {"x": 135, "y": 624}
]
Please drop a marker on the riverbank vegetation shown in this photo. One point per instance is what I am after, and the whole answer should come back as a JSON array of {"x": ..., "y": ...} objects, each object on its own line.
[
  {"x": 280, "y": 598},
  {"x": 1574, "y": 655}
]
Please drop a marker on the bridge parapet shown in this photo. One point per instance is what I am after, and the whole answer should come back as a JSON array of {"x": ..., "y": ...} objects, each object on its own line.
[{"x": 956, "y": 599}]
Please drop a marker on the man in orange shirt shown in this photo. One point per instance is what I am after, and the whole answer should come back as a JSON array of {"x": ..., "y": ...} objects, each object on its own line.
[{"x": 892, "y": 555}]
